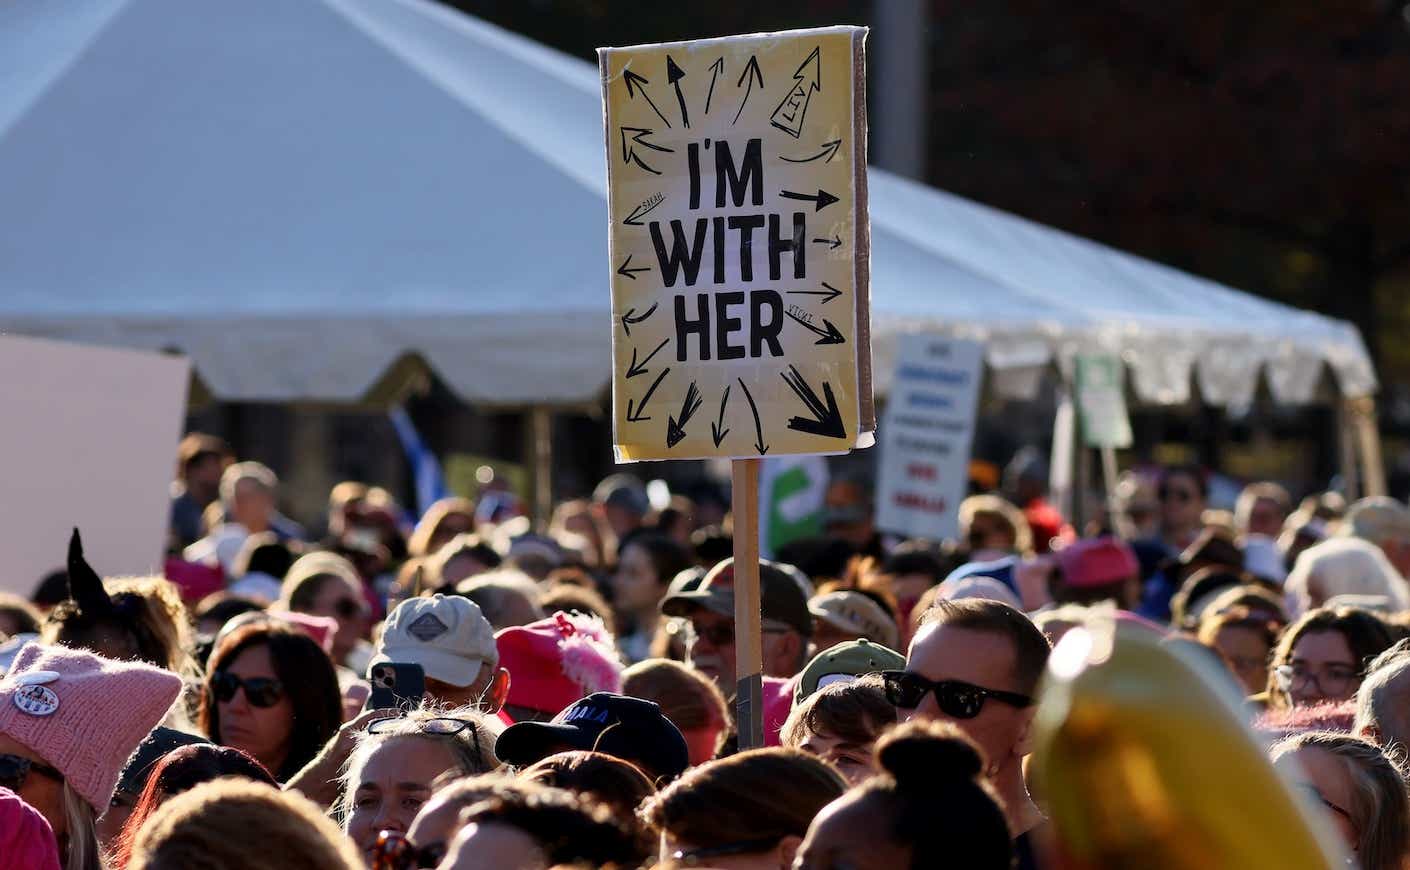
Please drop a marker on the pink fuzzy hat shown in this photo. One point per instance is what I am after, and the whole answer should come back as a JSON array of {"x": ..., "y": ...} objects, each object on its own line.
[
  {"x": 26, "y": 840},
  {"x": 83, "y": 714},
  {"x": 557, "y": 661}
]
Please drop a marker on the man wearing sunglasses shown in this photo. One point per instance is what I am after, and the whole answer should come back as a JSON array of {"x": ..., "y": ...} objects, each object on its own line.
[
  {"x": 976, "y": 663},
  {"x": 786, "y": 624}
]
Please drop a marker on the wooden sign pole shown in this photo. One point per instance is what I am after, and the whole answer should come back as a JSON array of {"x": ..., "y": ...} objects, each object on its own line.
[{"x": 748, "y": 646}]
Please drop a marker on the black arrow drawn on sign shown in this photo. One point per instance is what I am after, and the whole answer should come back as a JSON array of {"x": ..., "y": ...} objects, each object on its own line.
[
  {"x": 640, "y": 369},
  {"x": 718, "y": 430},
  {"x": 790, "y": 113},
  {"x": 629, "y": 153},
  {"x": 674, "y": 74},
  {"x": 633, "y": 415},
  {"x": 751, "y": 73},
  {"x": 829, "y": 333},
  {"x": 827, "y": 418},
  {"x": 628, "y": 320},
  {"x": 630, "y": 273},
  {"x": 832, "y": 244},
  {"x": 759, "y": 446},
  {"x": 716, "y": 69},
  {"x": 829, "y": 151},
  {"x": 675, "y": 429},
  {"x": 830, "y": 293},
  {"x": 823, "y": 199},
  {"x": 641, "y": 83},
  {"x": 641, "y": 211}
]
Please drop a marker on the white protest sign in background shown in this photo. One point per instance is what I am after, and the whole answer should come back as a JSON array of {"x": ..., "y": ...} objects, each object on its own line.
[
  {"x": 1101, "y": 401},
  {"x": 926, "y": 436},
  {"x": 88, "y": 438}
]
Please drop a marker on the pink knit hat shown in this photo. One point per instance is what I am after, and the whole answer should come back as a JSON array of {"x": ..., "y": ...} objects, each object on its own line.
[
  {"x": 83, "y": 714},
  {"x": 26, "y": 840},
  {"x": 559, "y": 660}
]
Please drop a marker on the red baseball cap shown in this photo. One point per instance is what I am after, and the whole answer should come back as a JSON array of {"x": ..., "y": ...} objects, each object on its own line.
[{"x": 1090, "y": 562}]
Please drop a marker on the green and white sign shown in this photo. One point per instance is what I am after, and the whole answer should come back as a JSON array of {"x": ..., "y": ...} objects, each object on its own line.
[{"x": 1101, "y": 401}]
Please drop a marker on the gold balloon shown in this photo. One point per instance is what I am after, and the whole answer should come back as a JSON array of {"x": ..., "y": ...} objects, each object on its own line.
[{"x": 1144, "y": 760}]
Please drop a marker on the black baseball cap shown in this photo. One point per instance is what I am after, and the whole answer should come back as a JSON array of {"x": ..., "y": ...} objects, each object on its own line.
[
  {"x": 631, "y": 729},
  {"x": 151, "y": 750},
  {"x": 781, "y": 597}
]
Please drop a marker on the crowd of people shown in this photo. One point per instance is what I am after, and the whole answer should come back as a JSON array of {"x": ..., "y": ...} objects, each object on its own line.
[{"x": 465, "y": 691}]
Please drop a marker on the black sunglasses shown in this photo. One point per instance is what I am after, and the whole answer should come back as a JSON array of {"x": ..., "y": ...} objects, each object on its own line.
[
  {"x": 443, "y": 726},
  {"x": 348, "y": 608},
  {"x": 395, "y": 852},
  {"x": 15, "y": 769},
  {"x": 259, "y": 691},
  {"x": 955, "y": 698}
]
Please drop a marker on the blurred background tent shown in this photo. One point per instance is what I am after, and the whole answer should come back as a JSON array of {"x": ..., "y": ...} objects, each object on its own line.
[{"x": 305, "y": 196}]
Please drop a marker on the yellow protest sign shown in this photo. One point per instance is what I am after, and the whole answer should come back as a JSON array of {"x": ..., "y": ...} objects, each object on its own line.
[{"x": 739, "y": 245}]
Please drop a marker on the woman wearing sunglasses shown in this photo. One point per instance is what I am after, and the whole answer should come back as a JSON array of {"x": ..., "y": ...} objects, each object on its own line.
[
  {"x": 1361, "y": 790},
  {"x": 249, "y": 703},
  {"x": 68, "y": 722},
  {"x": 326, "y": 584},
  {"x": 390, "y": 773}
]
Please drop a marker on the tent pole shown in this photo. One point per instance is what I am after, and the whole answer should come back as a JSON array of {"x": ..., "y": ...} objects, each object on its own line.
[
  {"x": 541, "y": 435},
  {"x": 1110, "y": 476},
  {"x": 1347, "y": 449},
  {"x": 1368, "y": 443},
  {"x": 1060, "y": 473}
]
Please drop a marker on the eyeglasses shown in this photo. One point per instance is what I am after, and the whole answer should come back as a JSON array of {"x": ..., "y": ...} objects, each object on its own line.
[
  {"x": 394, "y": 851},
  {"x": 1336, "y": 681},
  {"x": 955, "y": 698},
  {"x": 700, "y": 857},
  {"x": 722, "y": 633},
  {"x": 15, "y": 769},
  {"x": 441, "y": 727},
  {"x": 1317, "y": 797},
  {"x": 259, "y": 691}
]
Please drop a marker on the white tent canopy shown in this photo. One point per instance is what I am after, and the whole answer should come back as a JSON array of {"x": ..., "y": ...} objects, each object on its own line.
[{"x": 298, "y": 193}]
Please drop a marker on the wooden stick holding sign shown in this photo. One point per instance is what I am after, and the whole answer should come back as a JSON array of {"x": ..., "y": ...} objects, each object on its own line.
[
  {"x": 748, "y": 631},
  {"x": 739, "y": 257}
]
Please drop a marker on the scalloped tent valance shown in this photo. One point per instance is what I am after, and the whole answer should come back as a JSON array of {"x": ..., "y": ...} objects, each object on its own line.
[{"x": 298, "y": 193}]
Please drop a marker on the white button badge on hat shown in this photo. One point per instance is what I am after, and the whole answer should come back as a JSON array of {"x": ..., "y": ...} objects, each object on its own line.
[{"x": 36, "y": 700}]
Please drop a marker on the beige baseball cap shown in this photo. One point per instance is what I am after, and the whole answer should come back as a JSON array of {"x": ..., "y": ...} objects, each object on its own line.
[
  {"x": 446, "y": 635},
  {"x": 855, "y": 612}
]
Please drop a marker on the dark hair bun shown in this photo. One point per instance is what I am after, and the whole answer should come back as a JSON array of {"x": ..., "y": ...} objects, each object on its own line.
[{"x": 926, "y": 755}]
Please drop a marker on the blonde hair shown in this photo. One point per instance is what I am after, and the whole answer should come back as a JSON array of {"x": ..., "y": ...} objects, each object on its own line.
[
  {"x": 81, "y": 851},
  {"x": 422, "y": 540},
  {"x": 256, "y": 472},
  {"x": 1380, "y": 806},
  {"x": 307, "y": 575},
  {"x": 234, "y": 823},
  {"x": 158, "y": 616},
  {"x": 1002, "y": 509}
]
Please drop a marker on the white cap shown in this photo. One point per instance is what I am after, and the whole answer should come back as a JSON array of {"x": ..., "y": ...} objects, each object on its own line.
[{"x": 446, "y": 635}]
